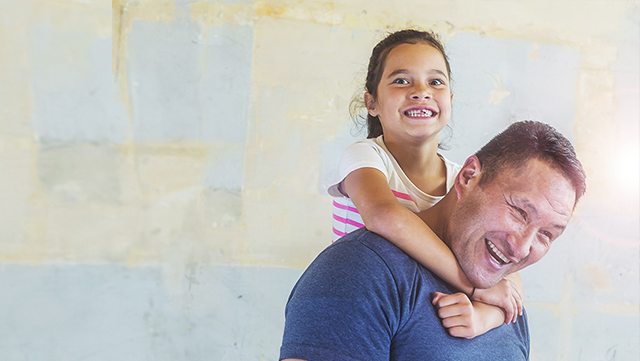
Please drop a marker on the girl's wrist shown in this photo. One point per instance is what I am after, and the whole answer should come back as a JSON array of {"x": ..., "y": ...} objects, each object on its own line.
[{"x": 473, "y": 291}]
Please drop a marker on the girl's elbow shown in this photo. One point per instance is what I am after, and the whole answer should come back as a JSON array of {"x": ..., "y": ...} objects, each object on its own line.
[{"x": 381, "y": 221}]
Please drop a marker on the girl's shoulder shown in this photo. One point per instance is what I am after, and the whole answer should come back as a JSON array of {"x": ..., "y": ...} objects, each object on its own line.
[
  {"x": 367, "y": 153},
  {"x": 452, "y": 170},
  {"x": 371, "y": 142},
  {"x": 364, "y": 153},
  {"x": 368, "y": 147},
  {"x": 451, "y": 165}
]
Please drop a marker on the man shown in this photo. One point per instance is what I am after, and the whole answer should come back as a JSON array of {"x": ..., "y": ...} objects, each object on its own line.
[{"x": 364, "y": 299}]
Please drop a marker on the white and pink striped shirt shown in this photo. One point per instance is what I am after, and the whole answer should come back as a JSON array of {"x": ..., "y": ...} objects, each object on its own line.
[{"x": 372, "y": 153}]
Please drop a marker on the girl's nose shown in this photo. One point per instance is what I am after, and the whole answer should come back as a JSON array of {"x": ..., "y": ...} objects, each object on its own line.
[{"x": 421, "y": 92}]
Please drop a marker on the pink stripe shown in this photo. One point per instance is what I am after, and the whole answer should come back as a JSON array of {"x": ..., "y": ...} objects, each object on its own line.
[
  {"x": 338, "y": 232},
  {"x": 402, "y": 195},
  {"x": 348, "y": 221},
  {"x": 352, "y": 209}
]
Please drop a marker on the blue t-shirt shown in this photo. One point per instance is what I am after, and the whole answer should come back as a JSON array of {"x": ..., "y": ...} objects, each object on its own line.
[{"x": 363, "y": 299}]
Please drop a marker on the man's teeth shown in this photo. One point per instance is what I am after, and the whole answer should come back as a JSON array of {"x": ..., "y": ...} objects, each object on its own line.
[
  {"x": 419, "y": 113},
  {"x": 497, "y": 252}
]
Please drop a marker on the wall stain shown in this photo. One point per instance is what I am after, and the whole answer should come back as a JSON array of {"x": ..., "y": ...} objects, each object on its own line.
[
  {"x": 498, "y": 93},
  {"x": 125, "y": 12},
  {"x": 599, "y": 277}
]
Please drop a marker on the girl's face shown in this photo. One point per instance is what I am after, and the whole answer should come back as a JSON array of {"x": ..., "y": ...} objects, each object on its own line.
[{"x": 414, "y": 97}]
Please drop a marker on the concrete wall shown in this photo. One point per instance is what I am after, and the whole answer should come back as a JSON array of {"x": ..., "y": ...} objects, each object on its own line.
[{"x": 163, "y": 163}]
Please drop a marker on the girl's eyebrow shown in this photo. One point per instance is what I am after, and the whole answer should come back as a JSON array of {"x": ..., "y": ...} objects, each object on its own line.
[
  {"x": 396, "y": 72},
  {"x": 439, "y": 72},
  {"x": 405, "y": 71}
]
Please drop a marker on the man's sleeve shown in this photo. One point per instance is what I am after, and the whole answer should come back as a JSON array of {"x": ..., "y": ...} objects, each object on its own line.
[{"x": 344, "y": 307}]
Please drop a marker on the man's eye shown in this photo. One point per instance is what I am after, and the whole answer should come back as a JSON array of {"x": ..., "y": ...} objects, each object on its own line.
[
  {"x": 547, "y": 235},
  {"x": 401, "y": 81},
  {"x": 521, "y": 212}
]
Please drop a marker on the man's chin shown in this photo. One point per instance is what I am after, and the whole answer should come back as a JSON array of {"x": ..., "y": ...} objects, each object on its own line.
[
  {"x": 484, "y": 282},
  {"x": 483, "y": 276}
]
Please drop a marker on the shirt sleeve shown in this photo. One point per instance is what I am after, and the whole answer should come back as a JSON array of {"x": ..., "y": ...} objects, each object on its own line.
[
  {"x": 341, "y": 309},
  {"x": 361, "y": 154}
]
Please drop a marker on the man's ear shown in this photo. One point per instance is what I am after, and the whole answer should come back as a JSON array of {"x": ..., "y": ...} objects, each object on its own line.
[
  {"x": 370, "y": 103},
  {"x": 468, "y": 176}
]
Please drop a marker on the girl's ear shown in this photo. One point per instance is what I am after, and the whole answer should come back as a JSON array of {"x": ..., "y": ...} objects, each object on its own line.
[
  {"x": 468, "y": 176},
  {"x": 370, "y": 103}
]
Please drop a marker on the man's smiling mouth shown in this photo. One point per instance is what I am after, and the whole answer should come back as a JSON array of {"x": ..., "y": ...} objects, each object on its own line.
[{"x": 495, "y": 253}]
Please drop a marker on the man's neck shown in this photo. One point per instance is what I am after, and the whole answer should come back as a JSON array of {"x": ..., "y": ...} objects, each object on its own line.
[{"x": 438, "y": 216}]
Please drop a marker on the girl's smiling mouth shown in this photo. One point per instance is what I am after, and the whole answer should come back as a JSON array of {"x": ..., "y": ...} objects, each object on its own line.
[{"x": 420, "y": 113}]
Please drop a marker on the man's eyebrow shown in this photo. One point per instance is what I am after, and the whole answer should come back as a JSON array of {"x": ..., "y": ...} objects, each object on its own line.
[
  {"x": 559, "y": 227},
  {"x": 530, "y": 207}
]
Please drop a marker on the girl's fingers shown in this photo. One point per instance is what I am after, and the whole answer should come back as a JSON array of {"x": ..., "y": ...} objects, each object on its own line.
[
  {"x": 519, "y": 300},
  {"x": 461, "y": 331},
  {"x": 436, "y": 297},
  {"x": 456, "y": 321},
  {"x": 451, "y": 311},
  {"x": 455, "y": 310},
  {"x": 513, "y": 307},
  {"x": 459, "y": 326},
  {"x": 520, "y": 305},
  {"x": 443, "y": 299},
  {"x": 508, "y": 312}
]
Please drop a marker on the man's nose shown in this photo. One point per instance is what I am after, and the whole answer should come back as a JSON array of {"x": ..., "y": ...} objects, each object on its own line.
[{"x": 520, "y": 244}]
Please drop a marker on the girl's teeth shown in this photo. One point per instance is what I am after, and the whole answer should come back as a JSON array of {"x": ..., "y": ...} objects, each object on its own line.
[{"x": 419, "y": 113}]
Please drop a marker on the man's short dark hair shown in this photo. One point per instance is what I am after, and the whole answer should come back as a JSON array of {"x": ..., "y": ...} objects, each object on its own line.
[{"x": 526, "y": 140}]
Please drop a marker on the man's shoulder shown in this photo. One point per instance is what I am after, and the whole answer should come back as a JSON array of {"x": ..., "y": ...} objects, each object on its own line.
[
  {"x": 364, "y": 285},
  {"x": 363, "y": 245},
  {"x": 367, "y": 242}
]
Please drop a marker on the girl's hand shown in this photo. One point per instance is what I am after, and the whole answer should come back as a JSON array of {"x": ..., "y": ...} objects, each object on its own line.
[
  {"x": 460, "y": 316},
  {"x": 505, "y": 295}
]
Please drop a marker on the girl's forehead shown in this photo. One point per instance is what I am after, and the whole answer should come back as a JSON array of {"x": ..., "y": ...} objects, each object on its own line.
[{"x": 418, "y": 55}]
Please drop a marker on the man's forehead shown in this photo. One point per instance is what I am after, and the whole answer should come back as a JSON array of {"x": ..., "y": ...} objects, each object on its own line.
[
  {"x": 537, "y": 185},
  {"x": 541, "y": 206}
]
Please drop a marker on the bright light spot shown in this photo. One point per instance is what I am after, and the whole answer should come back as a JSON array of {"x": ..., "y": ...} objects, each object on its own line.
[{"x": 628, "y": 169}]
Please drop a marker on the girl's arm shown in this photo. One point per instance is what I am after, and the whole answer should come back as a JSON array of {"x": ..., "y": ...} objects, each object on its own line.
[
  {"x": 383, "y": 214},
  {"x": 509, "y": 290},
  {"x": 465, "y": 318}
]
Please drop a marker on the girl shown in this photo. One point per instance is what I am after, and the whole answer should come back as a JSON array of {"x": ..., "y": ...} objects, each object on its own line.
[{"x": 387, "y": 179}]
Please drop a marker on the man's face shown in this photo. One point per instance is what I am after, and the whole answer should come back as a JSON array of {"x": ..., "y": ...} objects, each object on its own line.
[{"x": 503, "y": 226}]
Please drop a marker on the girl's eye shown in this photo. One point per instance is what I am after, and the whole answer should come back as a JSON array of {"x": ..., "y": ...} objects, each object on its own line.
[
  {"x": 436, "y": 82},
  {"x": 401, "y": 81}
]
